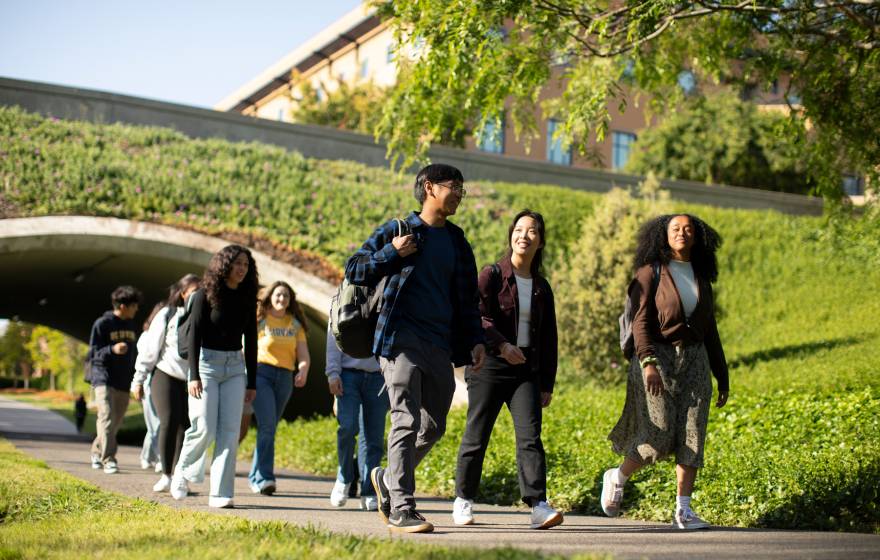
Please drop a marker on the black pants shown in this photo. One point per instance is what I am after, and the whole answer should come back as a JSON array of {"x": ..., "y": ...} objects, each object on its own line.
[
  {"x": 170, "y": 399},
  {"x": 497, "y": 384}
]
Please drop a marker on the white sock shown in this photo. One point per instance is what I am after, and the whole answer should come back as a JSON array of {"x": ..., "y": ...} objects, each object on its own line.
[
  {"x": 682, "y": 503},
  {"x": 618, "y": 478}
]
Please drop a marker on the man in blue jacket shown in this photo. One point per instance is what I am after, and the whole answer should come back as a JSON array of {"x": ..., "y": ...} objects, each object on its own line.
[
  {"x": 112, "y": 353},
  {"x": 429, "y": 320}
]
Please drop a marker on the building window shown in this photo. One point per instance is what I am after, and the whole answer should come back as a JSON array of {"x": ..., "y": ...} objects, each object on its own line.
[
  {"x": 852, "y": 185},
  {"x": 319, "y": 93},
  {"x": 365, "y": 68},
  {"x": 281, "y": 113},
  {"x": 492, "y": 137},
  {"x": 389, "y": 54},
  {"x": 687, "y": 81},
  {"x": 340, "y": 77},
  {"x": 555, "y": 151},
  {"x": 620, "y": 149}
]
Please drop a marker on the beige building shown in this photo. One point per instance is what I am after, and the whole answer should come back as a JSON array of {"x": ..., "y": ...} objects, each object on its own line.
[{"x": 359, "y": 48}]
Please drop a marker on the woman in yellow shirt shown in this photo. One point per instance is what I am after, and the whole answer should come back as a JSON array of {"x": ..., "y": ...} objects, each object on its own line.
[{"x": 281, "y": 332}]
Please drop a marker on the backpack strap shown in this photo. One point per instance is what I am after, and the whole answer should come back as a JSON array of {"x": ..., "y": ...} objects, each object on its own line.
[{"x": 655, "y": 277}]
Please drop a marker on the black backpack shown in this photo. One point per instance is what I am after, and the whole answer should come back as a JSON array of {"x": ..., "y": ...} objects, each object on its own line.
[
  {"x": 354, "y": 311},
  {"x": 184, "y": 327},
  {"x": 627, "y": 342}
]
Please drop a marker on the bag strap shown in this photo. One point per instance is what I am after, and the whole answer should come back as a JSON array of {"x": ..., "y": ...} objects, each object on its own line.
[{"x": 655, "y": 278}]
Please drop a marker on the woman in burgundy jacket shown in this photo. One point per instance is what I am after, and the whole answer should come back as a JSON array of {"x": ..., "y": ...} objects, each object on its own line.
[
  {"x": 519, "y": 319},
  {"x": 669, "y": 388}
]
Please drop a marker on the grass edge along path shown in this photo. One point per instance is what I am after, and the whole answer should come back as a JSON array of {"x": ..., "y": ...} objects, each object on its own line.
[{"x": 56, "y": 515}]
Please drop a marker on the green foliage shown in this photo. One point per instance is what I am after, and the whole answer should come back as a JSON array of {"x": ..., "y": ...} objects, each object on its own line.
[
  {"x": 357, "y": 108},
  {"x": 56, "y": 516},
  {"x": 14, "y": 357},
  {"x": 59, "y": 356},
  {"x": 590, "y": 284},
  {"x": 603, "y": 55},
  {"x": 720, "y": 139}
]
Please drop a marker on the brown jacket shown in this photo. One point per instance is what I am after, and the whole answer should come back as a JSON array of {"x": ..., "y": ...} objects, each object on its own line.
[
  {"x": 663, "y": 320},
  {"x": 499, "y": 307}
]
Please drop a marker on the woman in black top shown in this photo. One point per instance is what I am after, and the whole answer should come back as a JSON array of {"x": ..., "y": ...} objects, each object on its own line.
[
  {"x": 519, "y": 318},
  {"x": 221, "y": 377}
]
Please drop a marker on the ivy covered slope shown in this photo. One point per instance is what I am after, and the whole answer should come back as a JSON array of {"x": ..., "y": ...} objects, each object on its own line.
[{"x": 797, "y": 445}]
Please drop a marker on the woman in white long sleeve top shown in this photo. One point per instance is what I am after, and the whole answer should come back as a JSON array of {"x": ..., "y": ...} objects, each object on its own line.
[{"x": 157, "y": 355}]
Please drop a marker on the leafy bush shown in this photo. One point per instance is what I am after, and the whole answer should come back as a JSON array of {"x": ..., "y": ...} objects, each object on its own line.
[{"x": 593, "y": 280}]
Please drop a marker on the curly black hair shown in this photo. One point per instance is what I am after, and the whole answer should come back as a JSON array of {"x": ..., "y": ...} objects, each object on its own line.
[
  {"x": 652, "y": 246},
  {"x": 218, "y": 271}
]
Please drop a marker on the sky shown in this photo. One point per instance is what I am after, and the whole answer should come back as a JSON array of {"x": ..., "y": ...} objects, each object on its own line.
[{"x": 194, "y": 52}]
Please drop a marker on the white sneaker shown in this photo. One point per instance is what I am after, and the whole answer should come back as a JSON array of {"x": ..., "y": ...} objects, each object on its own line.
[
  {"x": 339, "y": 494},
  {"x": 146, "y": 464},
  {"x": 462, "y": 511},
  {"x": 96, "y": 461},
  {"x": 163, "y": 485},
  {"x": 369, "y": 503},
  {"x": 158, "y": 468},
  {"x": 686, "y": 519},
  {"x": 544, "y": 516},
  {"x": 612, "y": 494},
  {"x": 179, "y": 487},
  {"x": 111, "y": 467},
  {"x": 220, "y": 502}
]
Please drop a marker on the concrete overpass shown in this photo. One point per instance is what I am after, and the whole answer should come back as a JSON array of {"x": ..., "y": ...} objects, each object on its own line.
[{"x": 59, "y": 271}]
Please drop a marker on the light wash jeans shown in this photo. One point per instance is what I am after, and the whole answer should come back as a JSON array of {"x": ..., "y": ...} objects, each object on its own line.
[
  {"x": 360, "y": 410},
  {"x": 150, "y": 449},
  {"x": 216, "y": 416},
  {"x": 274, "y": 386}
]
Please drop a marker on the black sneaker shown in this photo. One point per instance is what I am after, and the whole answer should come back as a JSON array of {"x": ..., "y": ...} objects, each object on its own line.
[
  {"x": 409, "y": 521},
  {"x": 377, "y": 477}
]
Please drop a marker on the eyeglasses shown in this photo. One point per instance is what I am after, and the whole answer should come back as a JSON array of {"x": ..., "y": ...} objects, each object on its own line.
[{"x": 457, "y": 189}]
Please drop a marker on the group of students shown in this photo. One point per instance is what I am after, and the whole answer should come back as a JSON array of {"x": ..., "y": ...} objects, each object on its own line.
[{"x": 437, "y": 312}]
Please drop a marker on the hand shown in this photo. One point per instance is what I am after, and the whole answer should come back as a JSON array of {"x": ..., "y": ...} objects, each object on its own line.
[
  {"x": 653, "y": 382},
  {"x": 478, "y": 355},
  {"x": 119, "y": 348},
  {"x": 405, "y": 245},
  {"x": 545, "y": 399},
  {"x": 512, "y": 354},
  {"x": 249, "y": 395},
  {"x": 722, "y": 399},
  {"x": 138, "y": 392},
  {"x": 335, "y": 386},
  {"x": 195, "y": 389},
  {"x": 299, "y": 380}
]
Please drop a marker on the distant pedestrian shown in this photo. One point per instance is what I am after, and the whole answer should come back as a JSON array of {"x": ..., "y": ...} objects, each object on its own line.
[
  {"x": 160, "y": 367},
  {"x": 429, "y": 321},
  {"x": 80, "y": 411},
  {"x": 519, "y": 317},
  {"x": 221, "y": 376},
  {"x": 361, "y": 409},
  {"x": 669, "y": 390},
  {"x": 282, "y": 362},
  {"x": 111, "y": 356}
]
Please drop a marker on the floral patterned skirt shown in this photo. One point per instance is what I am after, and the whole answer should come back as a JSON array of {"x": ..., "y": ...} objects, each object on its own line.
[{"x": 674, "y": 422}]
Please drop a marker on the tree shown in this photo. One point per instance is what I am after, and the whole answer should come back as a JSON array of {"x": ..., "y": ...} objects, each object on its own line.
[
  {"x": 355, "y": 108},
  {"x": 56, "y": 354},
  {"x": 592, "y": 281},
  {"x": 14, "y": 358},
  {"x": 482, "y": 59},
  {"x": 721, "y": 139}
]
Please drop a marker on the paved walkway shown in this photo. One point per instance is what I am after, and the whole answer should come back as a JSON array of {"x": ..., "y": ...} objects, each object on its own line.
[{"x": 303, "y": 499}]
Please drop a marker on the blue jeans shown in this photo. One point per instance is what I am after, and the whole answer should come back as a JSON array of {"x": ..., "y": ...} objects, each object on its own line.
[
  {"x": 215, "y": 416},
  {"x": 274, "y": 385},
  {"x": 361, "y": 408}
]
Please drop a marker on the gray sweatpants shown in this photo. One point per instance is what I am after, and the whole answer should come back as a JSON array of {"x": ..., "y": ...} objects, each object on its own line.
[
  {"x": 112, "y": 404},
  {"x": 420, "y": 383}
]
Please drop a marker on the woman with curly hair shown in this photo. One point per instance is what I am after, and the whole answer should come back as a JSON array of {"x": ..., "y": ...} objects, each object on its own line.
[
  {"x": 221, "y": 378},
  {"x": 281, "y": 331},
  {"x": 668, "y": 390}
]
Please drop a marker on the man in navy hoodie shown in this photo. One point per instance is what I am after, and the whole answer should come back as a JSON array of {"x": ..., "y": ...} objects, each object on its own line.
[{"x": 112, "y": 352}]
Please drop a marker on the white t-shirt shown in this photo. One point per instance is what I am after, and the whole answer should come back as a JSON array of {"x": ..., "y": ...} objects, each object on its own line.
[
  {"x": 683, "y": 276},
  {"x": 524, "y": 290}
]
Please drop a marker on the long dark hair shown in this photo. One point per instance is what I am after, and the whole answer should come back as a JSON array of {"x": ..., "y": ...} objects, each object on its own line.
[
  {"x": 175, "y": 296},
  {"x": 218, "y": 271},
  {"x": 538, "y": 259},
  {"x": 653, "y": 245},
  {"x": 265, "y": 302}
]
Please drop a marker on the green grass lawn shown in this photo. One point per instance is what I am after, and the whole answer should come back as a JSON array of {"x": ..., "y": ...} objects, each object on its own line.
[{"x": 58, "y": 516}]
